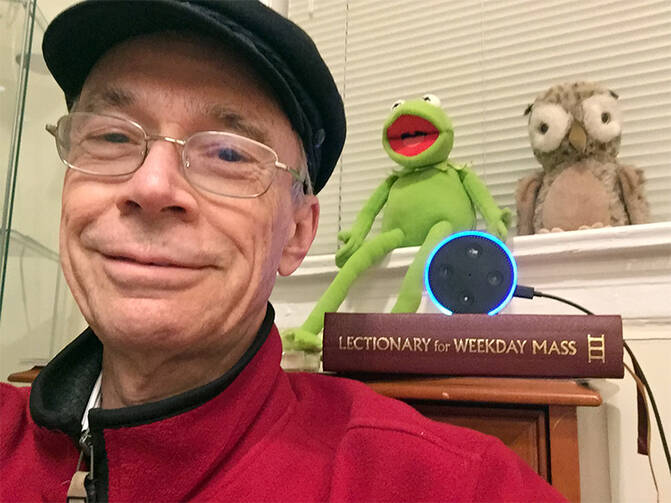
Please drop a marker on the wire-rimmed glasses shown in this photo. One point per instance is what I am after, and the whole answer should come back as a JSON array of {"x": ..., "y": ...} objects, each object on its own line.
[{"x": 219, "y": 162}]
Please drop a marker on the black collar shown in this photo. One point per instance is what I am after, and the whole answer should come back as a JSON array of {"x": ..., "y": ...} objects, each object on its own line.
[{"x": 62, "y": 389}]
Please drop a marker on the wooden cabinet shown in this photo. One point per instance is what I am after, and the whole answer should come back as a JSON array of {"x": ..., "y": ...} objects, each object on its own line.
[{"x": 534, "y": 417}]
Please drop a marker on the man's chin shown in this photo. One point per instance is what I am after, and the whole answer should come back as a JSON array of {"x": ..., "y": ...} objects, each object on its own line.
[
  {"x": 149, "y": 324},
  {"x": 144, "y": 334}
]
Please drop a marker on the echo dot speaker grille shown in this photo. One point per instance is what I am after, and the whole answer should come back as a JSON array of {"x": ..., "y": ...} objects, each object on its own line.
[{"x": 470, "y": 272}]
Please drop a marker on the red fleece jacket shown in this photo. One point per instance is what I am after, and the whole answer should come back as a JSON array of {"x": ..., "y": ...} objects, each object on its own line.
[{"x": 266, "y": 436}]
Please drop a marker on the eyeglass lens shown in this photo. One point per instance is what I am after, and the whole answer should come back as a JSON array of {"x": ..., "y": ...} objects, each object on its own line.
[{"x": 218, "y": 162}]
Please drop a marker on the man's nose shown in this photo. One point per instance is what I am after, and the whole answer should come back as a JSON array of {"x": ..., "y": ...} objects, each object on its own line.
[{"x": 158, "y": 187}]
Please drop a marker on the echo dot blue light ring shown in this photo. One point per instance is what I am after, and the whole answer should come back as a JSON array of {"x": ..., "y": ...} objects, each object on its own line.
[{"x": 470, "y": 272}]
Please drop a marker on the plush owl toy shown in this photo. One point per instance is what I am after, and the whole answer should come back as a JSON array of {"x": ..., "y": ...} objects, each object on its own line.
[{"x": 575, "y": 130}]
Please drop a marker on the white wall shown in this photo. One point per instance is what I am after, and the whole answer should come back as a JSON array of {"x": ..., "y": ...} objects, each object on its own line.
[{"x": 51, "y": 8}]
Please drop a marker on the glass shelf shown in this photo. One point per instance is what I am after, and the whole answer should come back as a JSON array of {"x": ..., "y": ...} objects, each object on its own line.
[
  {"x": 38, "y": 315},
  {"x": 21, "y": 245}
]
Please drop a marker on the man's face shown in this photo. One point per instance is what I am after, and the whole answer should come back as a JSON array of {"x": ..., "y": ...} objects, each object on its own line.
[{"x": 153, "y": 262}]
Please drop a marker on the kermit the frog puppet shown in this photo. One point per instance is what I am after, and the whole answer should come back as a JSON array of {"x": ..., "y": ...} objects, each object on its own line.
[{"x": 424, "y": 201}]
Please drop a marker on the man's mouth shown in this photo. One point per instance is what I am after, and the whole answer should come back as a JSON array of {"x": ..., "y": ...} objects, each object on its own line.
[
  {"x": 148, "y": 272},
  {"x": 410, "y": 135},
  {"x": 153, "y": 261},
  {"x": 158, "y": 263}
]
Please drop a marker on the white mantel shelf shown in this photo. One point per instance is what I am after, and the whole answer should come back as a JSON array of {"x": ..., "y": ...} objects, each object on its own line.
[
  {"x": 616, "y": 270},
  {"x": 624, "y": 242}
]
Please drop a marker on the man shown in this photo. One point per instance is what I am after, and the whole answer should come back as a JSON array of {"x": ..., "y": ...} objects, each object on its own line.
[{"x": 195, "y": 131}]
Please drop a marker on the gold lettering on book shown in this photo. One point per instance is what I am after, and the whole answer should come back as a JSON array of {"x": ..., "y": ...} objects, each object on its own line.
[
  {"x": 441, "y": 346},
  {"x": 371, "y": 343},
  {"x": 477, "y": 345},
  {"x": 494, "y": 346},
  {"x": 596, "y": 348},
  {"x": 560, "y": 348}
]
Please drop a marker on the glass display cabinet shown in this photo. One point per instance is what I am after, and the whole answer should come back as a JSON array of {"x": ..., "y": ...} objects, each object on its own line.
[{"x": 37, "y": 314}]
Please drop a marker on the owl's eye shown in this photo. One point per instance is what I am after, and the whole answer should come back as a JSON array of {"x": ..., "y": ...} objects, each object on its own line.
[
  {"x": 601, "y": 117},
  {"x": 397, "y": 104},
  {"x": 431, "y": 98},
  {"x": 548, "y": 124}
]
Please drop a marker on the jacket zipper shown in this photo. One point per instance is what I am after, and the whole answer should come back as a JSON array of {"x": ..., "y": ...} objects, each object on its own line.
[{"x": 86, "y": 446}]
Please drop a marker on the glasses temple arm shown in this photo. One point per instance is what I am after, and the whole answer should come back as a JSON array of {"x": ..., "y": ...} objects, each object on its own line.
[{"x": 295, "y": 174}]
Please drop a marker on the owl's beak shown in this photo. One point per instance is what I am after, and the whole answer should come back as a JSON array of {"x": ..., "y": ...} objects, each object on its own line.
[{"x": 577, "y": 137}]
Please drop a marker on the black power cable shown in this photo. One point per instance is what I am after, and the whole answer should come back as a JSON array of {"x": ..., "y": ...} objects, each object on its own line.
[{"x": 528, "y": 292}]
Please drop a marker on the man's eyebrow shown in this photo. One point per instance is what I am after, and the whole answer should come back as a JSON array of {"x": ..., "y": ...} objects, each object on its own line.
[
  {"x": 108, "y": 97},
  {"x": 235, "y": 123},
  {"x": 230, "y": 119}
]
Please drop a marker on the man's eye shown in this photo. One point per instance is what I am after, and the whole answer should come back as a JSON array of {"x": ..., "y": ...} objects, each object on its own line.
[
  {"x": 114, "y": 138},
  {"x": 109, "y": 137},
  {"x": 229, "y": 155}
]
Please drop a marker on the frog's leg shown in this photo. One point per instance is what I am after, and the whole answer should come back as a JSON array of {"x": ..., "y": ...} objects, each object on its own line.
[
  {"x": 369, "y": 254},
  {"x": 410, "y": 294}
]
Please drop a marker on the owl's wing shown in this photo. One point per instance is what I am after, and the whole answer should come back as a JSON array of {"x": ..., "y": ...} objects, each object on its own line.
[
  {"x": 525, "y": 197},
  {"x": 632, "y": 182}
]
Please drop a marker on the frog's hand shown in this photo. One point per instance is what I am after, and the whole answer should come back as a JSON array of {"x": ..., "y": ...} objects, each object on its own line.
[
  {"x": 344, "y": 236},
  {"x": 351, "y": 244},
  {"x": 301, "y": 339},
  {"x": 525, "y": 199},
  {"x": 497, "y": 220},
  {"x": 354, "y": 238},
  {"x": 500, "y": 227}
]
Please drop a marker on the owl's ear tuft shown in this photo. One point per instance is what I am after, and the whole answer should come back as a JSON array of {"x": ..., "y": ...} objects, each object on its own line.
[
  {"x": 614, "y": 94},
  {"x": 527, "y": 110}
]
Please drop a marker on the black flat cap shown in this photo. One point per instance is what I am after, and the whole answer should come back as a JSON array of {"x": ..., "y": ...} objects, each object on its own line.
[{"x": 279, "y": 50}]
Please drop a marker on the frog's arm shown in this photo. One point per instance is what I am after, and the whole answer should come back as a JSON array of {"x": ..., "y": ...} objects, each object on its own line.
[
  {"x": 353, "y": 238},
  {"x": 498, "y": 220}
]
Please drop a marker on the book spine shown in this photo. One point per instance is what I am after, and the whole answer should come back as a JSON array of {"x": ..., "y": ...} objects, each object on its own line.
[{"x": 474, "y": 345}]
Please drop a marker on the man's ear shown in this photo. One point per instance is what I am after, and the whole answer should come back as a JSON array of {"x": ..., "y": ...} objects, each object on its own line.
[{"x": 306, "y": 217}]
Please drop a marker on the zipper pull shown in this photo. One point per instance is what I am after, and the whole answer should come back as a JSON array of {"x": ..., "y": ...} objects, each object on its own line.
[
  {"x": 86, "y": 445},
  {"x": 77, "y": 491}
]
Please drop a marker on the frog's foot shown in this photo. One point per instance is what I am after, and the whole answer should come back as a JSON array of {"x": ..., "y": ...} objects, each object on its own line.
[{"x": 302, "y": 340}]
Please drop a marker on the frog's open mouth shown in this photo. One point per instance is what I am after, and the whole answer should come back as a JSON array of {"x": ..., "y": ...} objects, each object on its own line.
[{"x": 411, "y": 135}]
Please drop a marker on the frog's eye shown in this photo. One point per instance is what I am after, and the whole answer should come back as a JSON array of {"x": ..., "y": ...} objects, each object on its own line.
[
  {"x": 431, "y": 98},
  {"x": 397, "y": 103}
]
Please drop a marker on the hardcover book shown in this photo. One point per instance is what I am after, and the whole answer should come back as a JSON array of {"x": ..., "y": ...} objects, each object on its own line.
[{"x": 513, "y": 345}]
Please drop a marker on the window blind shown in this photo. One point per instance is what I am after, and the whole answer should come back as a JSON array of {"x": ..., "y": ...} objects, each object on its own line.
[
  {"x": 326, "y": 22},
  {"x": 487, "y": 60}
]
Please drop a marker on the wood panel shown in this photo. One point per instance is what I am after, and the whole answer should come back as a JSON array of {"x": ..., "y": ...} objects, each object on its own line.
[{"x": 563, "y": 431}]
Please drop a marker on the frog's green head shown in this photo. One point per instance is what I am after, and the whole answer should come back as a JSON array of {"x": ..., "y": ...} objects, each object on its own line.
[{"x": 418, "y": 132}]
